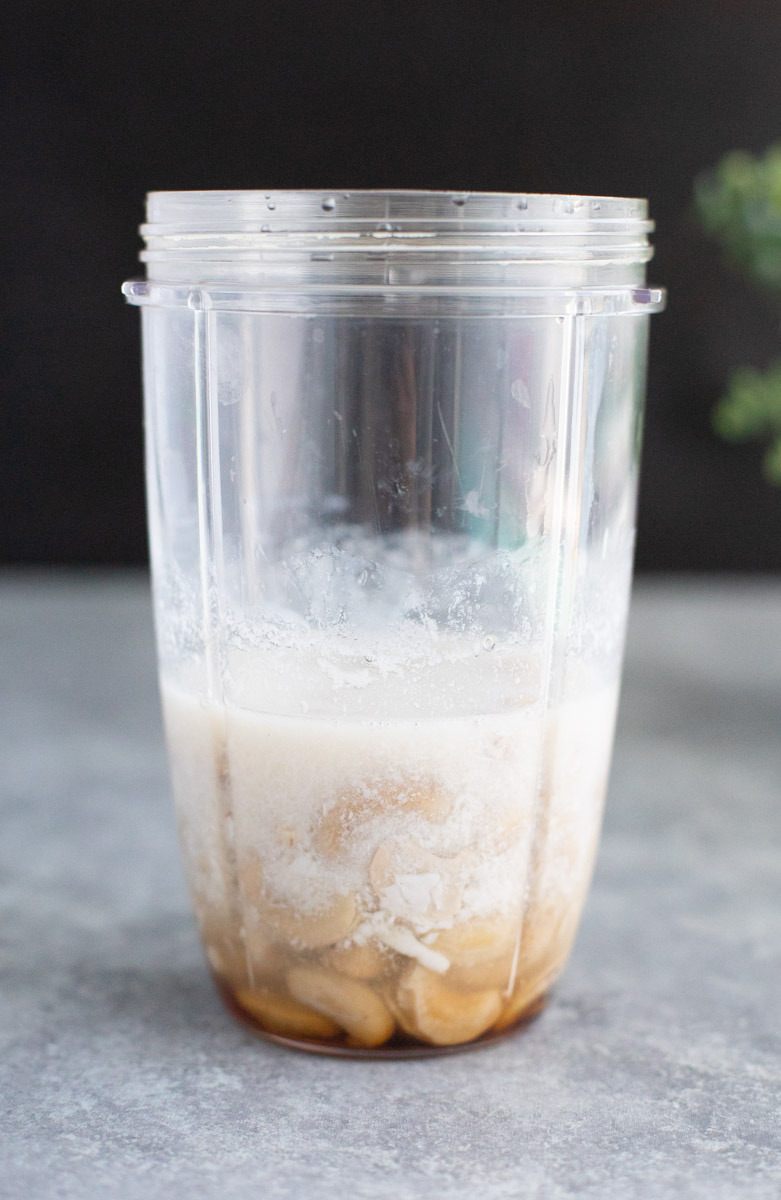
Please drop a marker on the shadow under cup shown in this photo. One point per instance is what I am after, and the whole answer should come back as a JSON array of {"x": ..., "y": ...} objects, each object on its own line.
[{"x": 392, "y": 451}]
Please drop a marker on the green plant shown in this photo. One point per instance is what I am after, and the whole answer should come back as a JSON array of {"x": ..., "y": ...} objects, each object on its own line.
[{"x": 739, "y": 203}]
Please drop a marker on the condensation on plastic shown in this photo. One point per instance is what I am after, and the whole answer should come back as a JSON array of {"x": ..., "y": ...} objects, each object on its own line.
[{"x": 408, "y": 251}]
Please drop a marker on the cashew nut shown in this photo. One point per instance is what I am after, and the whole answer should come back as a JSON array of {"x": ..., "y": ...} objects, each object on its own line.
[{"x": 350, "y": 1003}]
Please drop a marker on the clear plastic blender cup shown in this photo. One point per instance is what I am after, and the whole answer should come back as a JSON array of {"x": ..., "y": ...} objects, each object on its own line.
[{"x": 392, "y": 450}]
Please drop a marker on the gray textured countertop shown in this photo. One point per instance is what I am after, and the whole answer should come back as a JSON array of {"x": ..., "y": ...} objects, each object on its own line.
[{"x": 655, "y": 1071}]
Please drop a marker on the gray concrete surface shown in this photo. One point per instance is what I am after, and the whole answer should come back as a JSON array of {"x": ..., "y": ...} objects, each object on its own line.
[{"x": 654, "y": 1072}]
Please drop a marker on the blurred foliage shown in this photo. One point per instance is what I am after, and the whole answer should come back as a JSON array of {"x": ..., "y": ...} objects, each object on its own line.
[
  {"x": 751, "y": 408},
  {"x": 739, "y": 203}
]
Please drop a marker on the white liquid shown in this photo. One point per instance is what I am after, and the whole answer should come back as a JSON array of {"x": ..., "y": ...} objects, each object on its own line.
[{"x": 425, "y": 824}]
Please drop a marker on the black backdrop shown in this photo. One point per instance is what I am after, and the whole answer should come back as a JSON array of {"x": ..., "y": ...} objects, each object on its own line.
[{"x": 106, "y": 100}]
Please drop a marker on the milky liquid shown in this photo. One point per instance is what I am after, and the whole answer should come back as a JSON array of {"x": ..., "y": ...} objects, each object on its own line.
[{"x": 361, "y": 881}]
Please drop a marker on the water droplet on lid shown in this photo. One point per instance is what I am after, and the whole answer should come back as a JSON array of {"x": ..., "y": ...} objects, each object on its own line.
[
  {"x": 369, "y": 658},
  {"x": 271, "y": 206},
  {"x": 265, "y": 229},
  {"x": 329, "y": 204},
  {"x": 489, "y": 642},
  {"x": 460, "y": 199},
  {"x": 596, "y": 206},
  {"x": 523, "y": 202}
]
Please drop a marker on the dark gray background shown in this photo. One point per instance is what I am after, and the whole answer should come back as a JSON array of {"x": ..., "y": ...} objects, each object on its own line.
[{"x": 106, "y": 101}]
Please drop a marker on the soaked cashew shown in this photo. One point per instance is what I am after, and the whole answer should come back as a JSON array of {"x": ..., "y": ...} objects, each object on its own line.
[
  {"x": 544, "y": 950},
  {"x": 334, "y": 834},
  {"x": 251, "y": 879},
  {"x": 307, "y": 930},
  {"x": 226, "y": 954},
  {"x": 350, "y": 1003},
  {"x": 481, "y": 940},
  {"x": 548, "y": 934},
  {"x": 426, "y": 800},
  {"x": 415, "y": 885},
  {"x": 285, "y": 1016},
  {"x": 436, "y": 1013},
  {"x": 266, "y": 957},
  {"x": 336, "y": 831},
  {"x": 524, "y": 997},
  {"x": 510, "y": 827},
  {"x": 481, "y": 952},
  {"x": 365, "y": 961},
  {"x": 495, "y": 974},
  {"x": 310, "y": 931}
]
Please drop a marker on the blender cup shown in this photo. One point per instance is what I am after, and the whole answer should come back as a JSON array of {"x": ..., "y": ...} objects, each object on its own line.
[{"x": 392, "y": 451}]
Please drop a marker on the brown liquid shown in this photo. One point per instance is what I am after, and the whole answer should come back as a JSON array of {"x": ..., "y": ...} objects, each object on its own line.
[{"x": 399, "y": 1045}]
